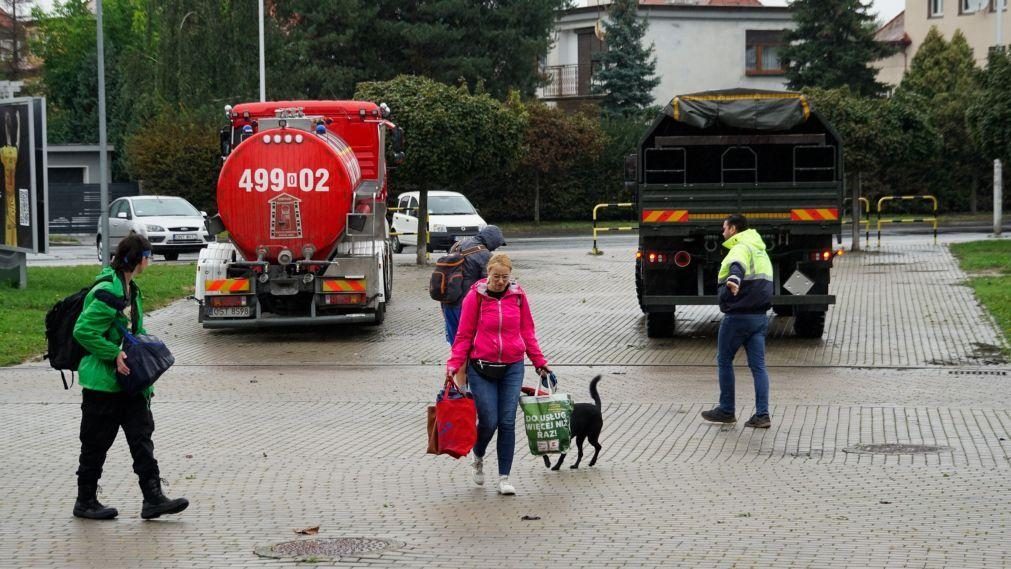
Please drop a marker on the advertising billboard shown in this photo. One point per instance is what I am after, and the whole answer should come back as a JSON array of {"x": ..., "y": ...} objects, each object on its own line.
[{"x": 23, "y": 219}]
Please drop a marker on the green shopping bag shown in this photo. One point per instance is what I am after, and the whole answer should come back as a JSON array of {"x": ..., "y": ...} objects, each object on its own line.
[{"x": 547, "y": 417}]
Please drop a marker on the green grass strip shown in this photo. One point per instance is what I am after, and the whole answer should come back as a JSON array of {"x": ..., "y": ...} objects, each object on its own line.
[
  {"x": 22, "y": 328},
  {"x": 988, "y": 264}
]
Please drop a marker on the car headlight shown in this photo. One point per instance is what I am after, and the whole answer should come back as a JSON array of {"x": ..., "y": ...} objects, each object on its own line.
[
  {"x": 155, "y": 228},
  {"x": 438, "y": 228}
]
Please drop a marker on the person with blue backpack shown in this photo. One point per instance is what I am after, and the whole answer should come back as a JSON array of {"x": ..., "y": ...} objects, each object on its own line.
[
  {"x": 477, "y": 252},
  {"x": 113, "y": 304}
]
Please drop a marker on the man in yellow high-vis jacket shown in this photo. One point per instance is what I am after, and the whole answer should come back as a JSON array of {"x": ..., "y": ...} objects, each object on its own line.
[{"x": 745, "y": 293}]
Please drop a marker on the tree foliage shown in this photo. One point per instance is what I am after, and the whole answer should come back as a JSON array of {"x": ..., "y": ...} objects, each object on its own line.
[
  {"x": 944, "y": 75},
  {"x": 989, "y": 116},
  {"x": 832, "y": 46},
  {"x": 628, "y": 69},
  {"x": 488, "y": 45},
  {"x": 176, "y": 153},
  {"x": 452, "y": 135}
]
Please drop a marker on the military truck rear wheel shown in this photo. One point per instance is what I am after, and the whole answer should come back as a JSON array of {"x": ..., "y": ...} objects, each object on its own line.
[
  {"x": 660, "y": 324},
  {"x": 783, "y": 310},
  {"x": 809, "y": 324}
]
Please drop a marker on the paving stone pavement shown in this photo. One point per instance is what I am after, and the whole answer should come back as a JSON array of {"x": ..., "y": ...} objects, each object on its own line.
[{"x": 268, "y": 431}]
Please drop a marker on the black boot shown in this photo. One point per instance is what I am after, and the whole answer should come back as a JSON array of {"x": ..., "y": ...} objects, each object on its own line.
[
  {"x": 155, "y": 503},
  {"x": 88, "y": 506}
]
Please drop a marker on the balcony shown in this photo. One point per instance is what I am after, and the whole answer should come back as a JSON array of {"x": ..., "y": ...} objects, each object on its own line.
[{"x": 569, "y": 81}]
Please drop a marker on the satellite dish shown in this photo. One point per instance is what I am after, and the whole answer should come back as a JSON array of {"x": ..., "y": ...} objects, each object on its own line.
[{"x": 598, "y": 29}]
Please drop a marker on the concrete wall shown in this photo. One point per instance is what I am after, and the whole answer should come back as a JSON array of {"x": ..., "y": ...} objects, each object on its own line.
[{"x": 697, "y": 48}]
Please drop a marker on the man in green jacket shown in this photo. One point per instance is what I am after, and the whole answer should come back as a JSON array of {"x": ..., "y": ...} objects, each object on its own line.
[
  {"x": 113, "y": 304},
  {"x": 745, "y": 293}
]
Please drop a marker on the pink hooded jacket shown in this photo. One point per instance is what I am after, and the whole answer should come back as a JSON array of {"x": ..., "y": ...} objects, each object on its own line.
[{"x": 495, "y": 330}]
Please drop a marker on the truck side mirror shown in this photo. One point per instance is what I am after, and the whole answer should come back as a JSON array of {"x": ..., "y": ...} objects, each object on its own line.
[
  {"x": 225, "y": 136},
  {"x": 398, "y": 158},
  {"x": 397, "y": 141}
]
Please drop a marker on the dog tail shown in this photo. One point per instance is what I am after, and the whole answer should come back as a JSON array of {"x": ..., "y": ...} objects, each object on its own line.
[{"x": 593, "y": 391}]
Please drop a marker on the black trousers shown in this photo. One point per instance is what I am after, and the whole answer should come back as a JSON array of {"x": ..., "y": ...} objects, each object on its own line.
[{"x": 103, "y": 414}]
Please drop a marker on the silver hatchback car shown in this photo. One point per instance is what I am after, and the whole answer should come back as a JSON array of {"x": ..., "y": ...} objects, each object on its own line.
[{"x": 171, "y": 223}]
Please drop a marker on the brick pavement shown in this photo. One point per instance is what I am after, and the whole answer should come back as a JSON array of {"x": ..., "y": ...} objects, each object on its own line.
[{"x": 262, "y": 443}]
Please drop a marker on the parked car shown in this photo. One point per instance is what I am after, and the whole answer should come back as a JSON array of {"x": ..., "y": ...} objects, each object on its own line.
[
  {"x": 451, "y": 217},
  {"x": 171, "y": 223}
]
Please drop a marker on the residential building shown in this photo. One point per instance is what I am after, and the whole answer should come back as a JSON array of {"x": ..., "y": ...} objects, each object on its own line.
[
  {"x": 892, "y": 68},
  {"x": 699, "y": 45},
  {"x": 976, "y": 18},
  {"x": 16, "y": 60}
]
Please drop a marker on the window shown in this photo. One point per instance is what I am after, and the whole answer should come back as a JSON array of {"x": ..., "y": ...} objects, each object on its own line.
[
  {"x": 1003, "y": 6},
  {"x": 761, "y": 54},
  {"x": 969, "y": 6},
  {"x": 935, "y": 8}
]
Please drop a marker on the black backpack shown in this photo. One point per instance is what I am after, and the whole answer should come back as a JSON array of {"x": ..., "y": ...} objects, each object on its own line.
[
  {"x": 64, "y": 353},
  {"x": 446, "y": 284}
]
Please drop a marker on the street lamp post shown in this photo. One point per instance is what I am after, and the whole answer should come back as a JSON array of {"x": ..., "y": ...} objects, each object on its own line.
[
  {"x": 103, "y": 158},
  {"x": 998, "y": 186},
  {"x": 263, "y": 79}
]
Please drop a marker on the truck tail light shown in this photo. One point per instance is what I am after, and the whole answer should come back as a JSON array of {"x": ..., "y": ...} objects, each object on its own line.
[
  {"x": 226, "y": 301},
  {"x": 821, "y": 255},
  {"x": 344, "y": 298},
  {"x": 682, "y": 259}
]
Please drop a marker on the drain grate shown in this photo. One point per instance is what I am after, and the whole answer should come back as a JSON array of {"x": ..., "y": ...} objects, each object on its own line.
[
  {"x": 327, "y": 549},
  {"x": 976, "y": 372},
  {"x": 895, "y": 448}
]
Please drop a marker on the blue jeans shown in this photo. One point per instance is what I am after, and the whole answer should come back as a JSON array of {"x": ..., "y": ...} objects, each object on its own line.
[
  {"x": 746, "y": 330},
  {"x": 451, "y": 314},
  {"x": 497, "y": 402}
]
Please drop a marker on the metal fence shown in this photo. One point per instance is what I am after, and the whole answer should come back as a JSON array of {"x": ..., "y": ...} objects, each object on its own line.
[
  {"x": 569, "y": 80},
  {"x": 75, "y": 208}
]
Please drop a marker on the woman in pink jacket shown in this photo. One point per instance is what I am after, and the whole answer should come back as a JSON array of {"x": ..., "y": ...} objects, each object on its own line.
[{"x": 496, "y": 331}]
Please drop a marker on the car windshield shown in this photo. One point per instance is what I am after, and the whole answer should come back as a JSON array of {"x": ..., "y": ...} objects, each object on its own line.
[
  {"x": 449, "y": 205},
  {"x": 167, "y": 207}
]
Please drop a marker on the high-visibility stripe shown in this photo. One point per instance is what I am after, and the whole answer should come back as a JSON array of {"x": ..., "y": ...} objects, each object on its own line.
[
  {"x": 226, "y": 286},
  {"x": 822, "y": 214},
  {"x": 664, "y": 215},
  {"x": 343, "y": 285}
]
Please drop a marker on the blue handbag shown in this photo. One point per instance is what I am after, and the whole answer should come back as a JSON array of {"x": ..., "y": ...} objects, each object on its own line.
[{"x": 147, "y": 357}]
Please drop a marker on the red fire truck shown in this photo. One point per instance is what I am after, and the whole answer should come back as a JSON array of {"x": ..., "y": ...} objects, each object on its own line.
[{"x": 302, "y": 195}]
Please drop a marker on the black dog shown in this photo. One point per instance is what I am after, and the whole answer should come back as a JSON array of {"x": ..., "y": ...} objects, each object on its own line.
[{"x": 587, "y": 421}]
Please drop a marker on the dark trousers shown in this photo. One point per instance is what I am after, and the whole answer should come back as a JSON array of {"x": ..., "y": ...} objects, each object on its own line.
[{"x": 102, "y": 415}]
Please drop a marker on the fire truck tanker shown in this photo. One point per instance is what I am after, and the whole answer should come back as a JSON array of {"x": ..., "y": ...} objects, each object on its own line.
[{"x": 302, "y": 195}]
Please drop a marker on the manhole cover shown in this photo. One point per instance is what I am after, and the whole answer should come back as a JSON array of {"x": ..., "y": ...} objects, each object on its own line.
[
  {"x": 327, "y": 549},
  {"x": 894, "y": 448}
]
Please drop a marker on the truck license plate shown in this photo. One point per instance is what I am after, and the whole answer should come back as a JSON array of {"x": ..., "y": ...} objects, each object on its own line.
[
  {"x": 234, "y": 312},
  {"x": 185, "y": 237}
]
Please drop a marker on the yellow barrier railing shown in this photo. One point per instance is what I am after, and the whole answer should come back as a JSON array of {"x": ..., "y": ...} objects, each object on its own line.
[
  {"x": 931, "y": 220},
  {"x": 596, "y": 229},
  {"x": 866, "y": 221}
]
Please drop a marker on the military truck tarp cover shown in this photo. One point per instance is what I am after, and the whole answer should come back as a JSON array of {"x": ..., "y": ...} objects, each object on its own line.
[{"x": 764, "y": 154}]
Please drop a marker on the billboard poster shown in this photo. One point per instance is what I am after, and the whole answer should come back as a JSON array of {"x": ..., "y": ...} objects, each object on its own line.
[{"x": 19, "y": 188}]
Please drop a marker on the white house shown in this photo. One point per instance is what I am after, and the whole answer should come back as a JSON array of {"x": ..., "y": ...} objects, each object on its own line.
[{"x": 699, "y": 45}]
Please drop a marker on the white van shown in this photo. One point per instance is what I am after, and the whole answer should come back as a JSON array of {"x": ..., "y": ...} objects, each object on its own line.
[{"x": 451, "y": 217}]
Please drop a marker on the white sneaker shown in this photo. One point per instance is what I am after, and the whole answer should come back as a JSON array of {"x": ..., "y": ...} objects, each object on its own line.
[
  {"x": 504, "y": 487},
  {"x": 478, "y": 466}
]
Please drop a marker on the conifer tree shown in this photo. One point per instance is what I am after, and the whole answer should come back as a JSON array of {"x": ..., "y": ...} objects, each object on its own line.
[
  {"x": 832, "y": 46},
  {"x": 628, "y": 73}
]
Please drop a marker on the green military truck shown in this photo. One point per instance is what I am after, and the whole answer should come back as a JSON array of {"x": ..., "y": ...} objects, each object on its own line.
[{"x": 765, "y": 154}]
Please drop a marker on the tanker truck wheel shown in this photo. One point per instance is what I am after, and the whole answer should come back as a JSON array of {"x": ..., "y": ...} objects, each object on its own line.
[
  {"x": 380, "y": 314},
  {"x": 171, "y": 256},
  {"x": 397, "y": 246},
  {"x": 659, "y": 324},
  {"x": 388, "y": 276},
  {"x": 809, "y": 324}
]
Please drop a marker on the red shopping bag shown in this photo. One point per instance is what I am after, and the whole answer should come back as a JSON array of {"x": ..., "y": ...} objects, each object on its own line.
[{"x": 455, "y": 420}]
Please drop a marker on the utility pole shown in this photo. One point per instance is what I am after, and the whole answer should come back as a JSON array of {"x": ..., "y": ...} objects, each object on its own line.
[
  {"x": 263, "y": 78},
  {"x": 855, "y": 246},
  {"x": 103, "y": 142},
  {"x": 998, "y": 197}
]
